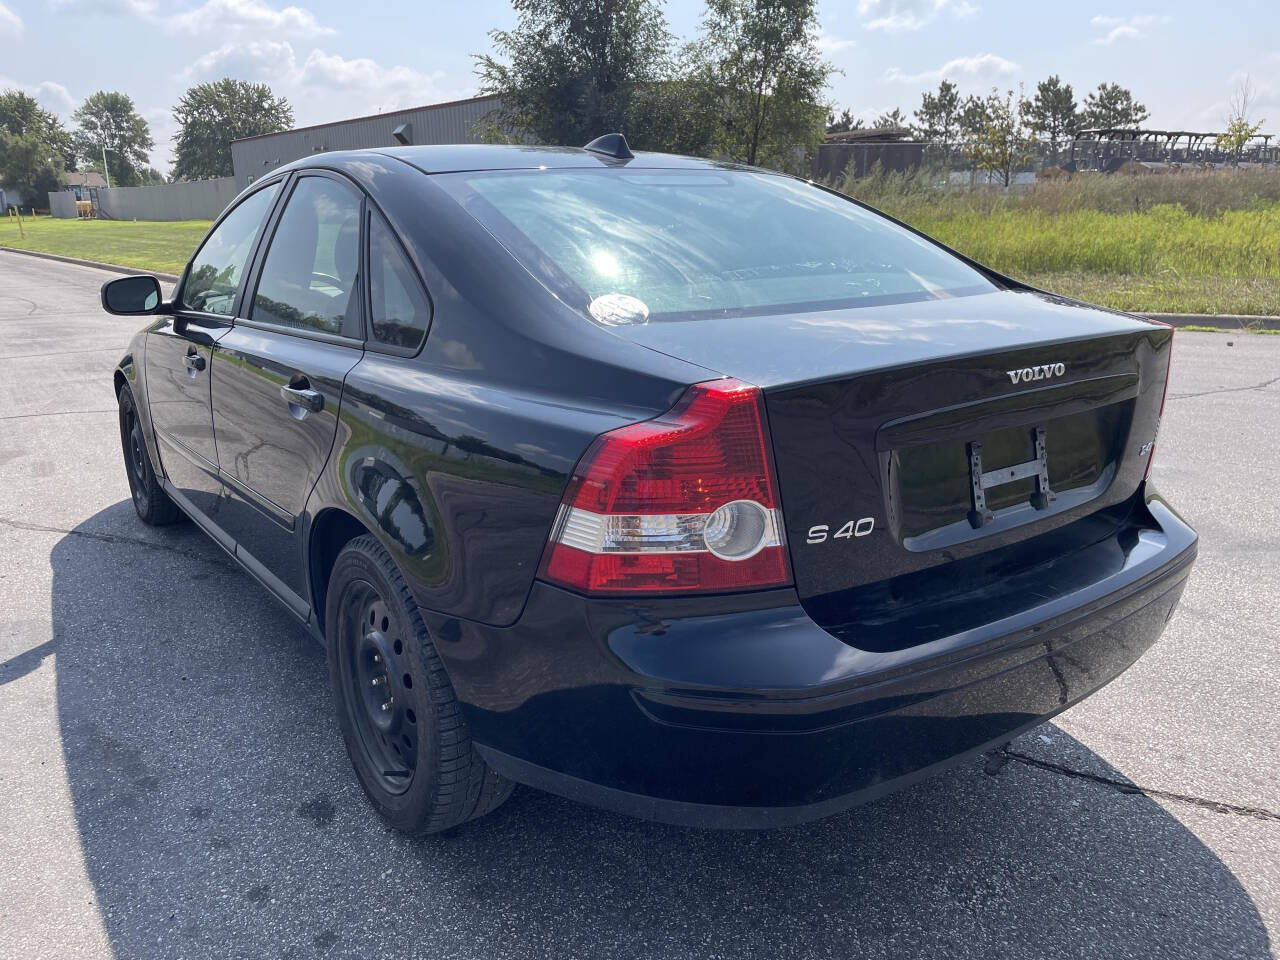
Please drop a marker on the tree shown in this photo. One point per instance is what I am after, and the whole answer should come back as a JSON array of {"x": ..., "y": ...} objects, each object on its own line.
[
  {"x": 939, "y": 116},
  {"x": 892, "y": 120},
  {"x": 1111, "y": 107},
  {"x": 571, "y": 69},
  {"x": 1240, "y": 129},
  {"x": 1004, "y": 141},
  {"x": 211, "y": 115},
  {"x": 108, "y": 119},
  {"x": 151, "y": 177},
  {"x": 33, "y": 148},
  {"x": 762, "y": 58},
  {"x": 1053, "y": 112},
  {"x": 843, "y": 123}
]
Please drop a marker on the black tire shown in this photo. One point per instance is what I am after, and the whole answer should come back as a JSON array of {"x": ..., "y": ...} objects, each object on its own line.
[
  {"x": 398, "y": 713},
  {"x": 149, "y": 499}
]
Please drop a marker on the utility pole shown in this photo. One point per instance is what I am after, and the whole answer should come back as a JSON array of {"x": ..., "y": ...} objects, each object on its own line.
[{"x": 105, "y": 172}]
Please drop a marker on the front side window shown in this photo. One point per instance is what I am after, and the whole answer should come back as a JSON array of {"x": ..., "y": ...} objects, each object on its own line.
[
  {"x": 308, "y": 281},
  {"x": 688, "y": 244},
  {"x": 401, "y": 311},
  {"x": 216, "y": 270}
]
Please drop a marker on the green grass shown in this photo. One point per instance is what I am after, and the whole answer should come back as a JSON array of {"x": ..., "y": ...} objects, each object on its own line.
[{"x": 162, "y": 247}]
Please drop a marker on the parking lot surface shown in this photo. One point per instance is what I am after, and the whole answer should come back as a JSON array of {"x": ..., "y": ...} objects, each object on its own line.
[{"x": 172, "y": 783}]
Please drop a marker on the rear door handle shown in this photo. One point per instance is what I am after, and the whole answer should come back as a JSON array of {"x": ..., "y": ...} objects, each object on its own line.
[
  {"x": 194, "y": 362},
  {"x": 299, "y": 394}
]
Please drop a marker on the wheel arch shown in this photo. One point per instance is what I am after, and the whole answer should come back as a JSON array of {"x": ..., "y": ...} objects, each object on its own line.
[{"x": 331, "y": 530}]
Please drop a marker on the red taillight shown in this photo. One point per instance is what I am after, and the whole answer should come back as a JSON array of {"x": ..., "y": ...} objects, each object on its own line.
[
  {"x": 686, "y": 502},
  {"x": 1151, "y": 454}
]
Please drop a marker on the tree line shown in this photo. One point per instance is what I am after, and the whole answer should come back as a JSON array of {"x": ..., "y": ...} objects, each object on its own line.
[
  {"x": 37, "y": 151},
  {"x": 1052, "y": 113}
]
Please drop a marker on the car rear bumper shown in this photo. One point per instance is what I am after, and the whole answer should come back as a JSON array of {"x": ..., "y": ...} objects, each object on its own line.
[{"x": 744, "y": 712}]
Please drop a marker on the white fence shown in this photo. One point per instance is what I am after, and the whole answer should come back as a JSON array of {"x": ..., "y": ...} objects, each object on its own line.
[
  {"x": 63, "y": 204},
  {"x": 190, "y": 200}
]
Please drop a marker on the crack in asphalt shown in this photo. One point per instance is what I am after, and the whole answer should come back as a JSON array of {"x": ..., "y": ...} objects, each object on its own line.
[
  {"x": 1120, "y": 786},
  {"x": 115, "y": 538},
  {"x": 54, "y": 413},
  {"x": 1209, "y": 393}
]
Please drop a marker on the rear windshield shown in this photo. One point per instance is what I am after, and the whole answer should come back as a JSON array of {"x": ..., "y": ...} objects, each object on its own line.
[{"x": 682, "y": 244}]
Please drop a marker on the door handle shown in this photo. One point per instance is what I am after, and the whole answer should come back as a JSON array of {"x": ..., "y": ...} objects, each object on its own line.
[
  {"x": 303, "y": 396},
  {"x": 195, "y": 362}
]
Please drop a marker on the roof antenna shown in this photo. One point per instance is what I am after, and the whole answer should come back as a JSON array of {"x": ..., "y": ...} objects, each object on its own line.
[{"x": 612, "y": 145}]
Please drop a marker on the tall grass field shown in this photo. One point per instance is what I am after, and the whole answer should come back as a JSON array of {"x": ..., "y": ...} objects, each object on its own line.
[{"x": 1176, "y": 243}]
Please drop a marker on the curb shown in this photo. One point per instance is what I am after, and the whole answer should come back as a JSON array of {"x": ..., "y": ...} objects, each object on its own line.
[
  {"x": 96, "y": 264},
  {"x": 1225, "y": 321}
]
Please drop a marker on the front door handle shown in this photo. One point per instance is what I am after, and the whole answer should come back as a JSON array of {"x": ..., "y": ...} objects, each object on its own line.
[
  {"x": 300, "y": 394},
  {"x": 195, "y": 362}
]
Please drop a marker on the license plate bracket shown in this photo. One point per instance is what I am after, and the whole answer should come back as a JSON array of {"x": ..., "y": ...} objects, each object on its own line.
[{"x": 981, "y": 481}]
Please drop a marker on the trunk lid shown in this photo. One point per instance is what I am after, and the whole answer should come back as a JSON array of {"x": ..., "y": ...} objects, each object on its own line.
[{"x": 913, "y": 435}]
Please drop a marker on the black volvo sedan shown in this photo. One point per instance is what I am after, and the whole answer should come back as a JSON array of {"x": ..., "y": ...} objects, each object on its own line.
[{"x": 688, "y": 490}]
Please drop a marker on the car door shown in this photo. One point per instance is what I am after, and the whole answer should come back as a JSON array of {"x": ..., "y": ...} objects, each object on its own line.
[
  {"x": 278, "y": 375},
  {"x": 178, "y": 351}
]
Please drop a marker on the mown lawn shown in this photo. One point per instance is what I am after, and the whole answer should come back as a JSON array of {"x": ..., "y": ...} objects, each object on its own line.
[
  {"x": 163, "y": 247},
  {"x": 1160, "y": 260}
]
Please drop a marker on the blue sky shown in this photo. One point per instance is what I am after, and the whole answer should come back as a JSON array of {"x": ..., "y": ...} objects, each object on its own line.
[{"x": 335, "y": 60}]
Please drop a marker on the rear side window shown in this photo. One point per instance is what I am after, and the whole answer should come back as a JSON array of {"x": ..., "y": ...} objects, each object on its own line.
[
  {"x": 215, "y": 272},
  {"x": 401, "y": 312},
  {"x": 308, "y": 281}
]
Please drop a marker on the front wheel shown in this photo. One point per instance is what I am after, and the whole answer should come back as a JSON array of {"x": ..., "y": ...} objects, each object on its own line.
[
  {"x": 149, "y": 499},
  {"x": 401, "y": 721}
]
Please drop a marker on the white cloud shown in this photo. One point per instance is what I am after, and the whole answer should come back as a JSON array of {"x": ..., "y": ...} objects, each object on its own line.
[
  {"x": 984, "y": 66},
  {"x": 50, "y": 95},
  {"x": 221, "y": 15},
  {"x": 896, "y": 16},
  {"x": 218, "y": 17},
  {"x": 829, "y": 44},
  {"x": 10, "y": 22},
  {"x": 1124, "y": 28},
  {"x": 324, "y": 86}
]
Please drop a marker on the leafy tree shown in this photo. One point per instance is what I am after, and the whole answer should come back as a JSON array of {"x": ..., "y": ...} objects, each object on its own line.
[
  {"x": 1111, "y": 106},
  {"x": 762, "y": 58},
  {"x": 211, "y": 115},
  {"x": 939, "y": 117},
  {"x": 1240, "y": 129},
  {"x": 108, "y": 119},
  {"x": 1053, "y": 112},
  {"x": 1005, "y": 140},
  {"x": 894, "y": 119},
  {"x": 843, "y": 123},
  {"x": 152, "y": 177},
  {"x": 33, "y": 148},
  {"x": 570, "y": 70}
]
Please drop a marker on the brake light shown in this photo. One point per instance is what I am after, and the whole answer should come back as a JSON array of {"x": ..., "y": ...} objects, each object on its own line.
[
  {"x": 686, "y": 502},
  {"x": 1151, "y": 454}
]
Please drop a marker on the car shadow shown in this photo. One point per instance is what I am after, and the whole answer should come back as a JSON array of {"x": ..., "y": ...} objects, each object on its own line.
[{"x": 219, "y": 817}]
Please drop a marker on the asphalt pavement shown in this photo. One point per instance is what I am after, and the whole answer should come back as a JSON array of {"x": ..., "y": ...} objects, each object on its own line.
[{"x": 173, "y": 784}]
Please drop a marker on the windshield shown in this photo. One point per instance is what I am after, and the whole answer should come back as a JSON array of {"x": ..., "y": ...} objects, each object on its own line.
[{"x": 681, "y": 244}]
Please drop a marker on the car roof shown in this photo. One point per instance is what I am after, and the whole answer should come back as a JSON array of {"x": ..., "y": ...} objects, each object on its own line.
[{"x": 455, "y": 158}]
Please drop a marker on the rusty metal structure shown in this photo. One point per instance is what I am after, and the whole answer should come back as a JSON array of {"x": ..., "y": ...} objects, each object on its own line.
[{"x": 1114, "y": 149}]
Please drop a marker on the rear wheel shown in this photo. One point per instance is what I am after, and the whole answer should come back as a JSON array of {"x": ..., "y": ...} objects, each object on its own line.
[
  {"x": 401, "y": 721},
  {"x": 149, "y": 499}
]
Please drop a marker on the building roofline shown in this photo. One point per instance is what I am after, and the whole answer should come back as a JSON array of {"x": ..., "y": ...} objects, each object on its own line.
[{"x": 372, "y": 116}]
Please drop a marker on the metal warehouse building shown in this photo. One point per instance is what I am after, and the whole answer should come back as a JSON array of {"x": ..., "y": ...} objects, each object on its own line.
[{"x": 437, "y": 123}]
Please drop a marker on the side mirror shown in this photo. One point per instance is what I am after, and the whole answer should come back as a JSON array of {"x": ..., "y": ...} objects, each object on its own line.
[{"x": 131, "y": 296}]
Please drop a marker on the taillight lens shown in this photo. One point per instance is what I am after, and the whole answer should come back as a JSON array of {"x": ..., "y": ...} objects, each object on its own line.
[
  {"x": 685, "y": 503},
  {"x": 1151, "y": 454}
]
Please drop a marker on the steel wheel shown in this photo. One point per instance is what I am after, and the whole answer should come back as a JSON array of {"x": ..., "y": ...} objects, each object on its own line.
[
  {"x": 379, "y": 675},
  {"x": 149, "y": 499}
]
